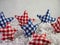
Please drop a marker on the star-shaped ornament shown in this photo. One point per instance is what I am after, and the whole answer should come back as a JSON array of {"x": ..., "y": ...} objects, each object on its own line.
[
  {"x": 56, "y": 25},
  {"x": 29, "y": 28},
  {"x": 39, "y": 40},
  {"x": 4, "y": 20},
  {"x": 23, "y": 19},
  {"x": 46, "y": 18},
  {"x": 8, "y": 32}
]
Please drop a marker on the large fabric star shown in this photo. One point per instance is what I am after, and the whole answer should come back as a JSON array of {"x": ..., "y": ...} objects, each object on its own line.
[
  {"x": 46, "y": 18},
  {"x": 39, "y": 40},
  {"x": 4, "y": 20},
  {"x": 56, "y": 25},
  {"x": 7, "y": 32},
  {"x": 29, "y": 28},
  {"x": 23, "y": 19}
]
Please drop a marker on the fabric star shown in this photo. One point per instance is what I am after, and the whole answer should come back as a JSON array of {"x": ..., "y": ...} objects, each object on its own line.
[
  {"x": 23, "y": 19},
  {"x": 29, "y": 28},
  {"x": 56, "y": 25},
  {"x": 39, "y": 40},
  {"x": 46, "y": 18},
  {"x": 4, "y": 20},
  {"x": 8, "y": 32}
]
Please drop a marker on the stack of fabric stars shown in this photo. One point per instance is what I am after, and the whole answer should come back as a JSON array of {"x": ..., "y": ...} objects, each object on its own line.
[
  {"x": 31, "y": 35},
  {"x": 5, "y": 27}
]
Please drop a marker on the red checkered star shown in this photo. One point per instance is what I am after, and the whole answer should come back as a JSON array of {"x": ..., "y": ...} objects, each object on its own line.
[
  {"x": 8, "y": 32},
  {"x": 56, "y": 25},
  {"x": 39, "y": 40},
  {"x": 23, "y": 19}
]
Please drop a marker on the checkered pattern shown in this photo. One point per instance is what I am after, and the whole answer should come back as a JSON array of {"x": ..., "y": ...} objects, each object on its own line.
[
  {"x": 56, "y": 25},
  {"x": 29, "y": 28},
  {"x": 7, "y": 32},
  {"x": 46, "y": 18},
  {"x": 4, "y": 20},
  {"x": 39, "y": 40},
  {"x": 23, "y": 19}
]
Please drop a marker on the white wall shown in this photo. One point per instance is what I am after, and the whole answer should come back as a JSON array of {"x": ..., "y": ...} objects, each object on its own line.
[{"x": 34, "y": 7}]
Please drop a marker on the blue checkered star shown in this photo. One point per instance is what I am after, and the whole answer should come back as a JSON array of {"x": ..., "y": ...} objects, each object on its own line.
[
  {"x": 29, "y": 28},
  {"x": 4, "y": 20},
  {"x": 46, "y": 18}
]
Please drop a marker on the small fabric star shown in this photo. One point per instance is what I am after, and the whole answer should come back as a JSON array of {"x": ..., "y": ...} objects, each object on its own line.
[
  {"x": 56, "y": 25},
  {"x": 29, "y": 28},
  {"x": 4, "y": 20},
  {"x": 23, "y": 19},
  {"x": 46, "y": 18},
  {"x": 39, "y": 40},
  {"x": 7, "y": 32}
]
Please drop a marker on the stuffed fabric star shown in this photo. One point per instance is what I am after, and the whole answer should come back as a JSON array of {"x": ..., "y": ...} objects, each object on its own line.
[
  {"x": 4, "y": 20},
  {"x": 29, "y": 28},
  {"x": 46, "y": 18},
  {"x": 56, "y": 25},
  {"x": 23, "y": 19},
  {"x": 39, "y": 40},
  {"x": 7, "y": 32}
]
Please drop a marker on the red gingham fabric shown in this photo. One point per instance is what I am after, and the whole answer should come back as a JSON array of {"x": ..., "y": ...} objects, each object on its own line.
[
  {"x": 7, "y": 32},
  {"x": 23, "y": 19},
  {"x": 39, "y": 40},
  {"x": 56, "y": 25}
]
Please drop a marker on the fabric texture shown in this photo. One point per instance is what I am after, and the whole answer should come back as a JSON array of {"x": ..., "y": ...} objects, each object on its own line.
[
  {"x": 8, "y": 32},
  {"x": 46, "y": 18},
  {"x": 23, "y": 19},
  {"x": 56, "y": 25},
  {"x": 4, "y": 20},
  {"x": 29, "y": 28},
  {"x": 39, "y": 40}
]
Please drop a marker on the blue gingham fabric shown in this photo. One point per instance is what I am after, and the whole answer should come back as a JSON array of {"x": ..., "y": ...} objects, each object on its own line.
[
  {"x": 46, "y": 18},
  {"x": 29, "y": 28},
  {"x": 4, "y": 20}
]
